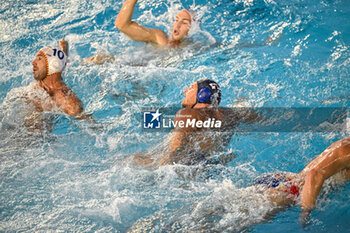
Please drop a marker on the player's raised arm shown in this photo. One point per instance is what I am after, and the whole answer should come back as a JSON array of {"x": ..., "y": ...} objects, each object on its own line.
[{"x": 136, "y": 31}]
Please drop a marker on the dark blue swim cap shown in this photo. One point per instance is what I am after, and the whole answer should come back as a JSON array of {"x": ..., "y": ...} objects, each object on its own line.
[
  {"x": 270, "y": 180},
  {"x": 209, "y": 92}
]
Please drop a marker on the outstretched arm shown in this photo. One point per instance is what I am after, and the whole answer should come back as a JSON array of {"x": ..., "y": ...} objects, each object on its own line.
[
  {"x": 136, "y": 31},
  {"x": 333, "y": 160}
]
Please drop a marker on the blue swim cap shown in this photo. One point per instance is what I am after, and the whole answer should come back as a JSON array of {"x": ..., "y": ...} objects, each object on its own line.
[
  {"x": 209, "y": 92},
  {"x": 270, "y": 180}
]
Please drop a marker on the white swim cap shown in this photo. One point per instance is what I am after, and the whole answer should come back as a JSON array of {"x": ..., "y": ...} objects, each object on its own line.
[{"x": 55, "y": 59}]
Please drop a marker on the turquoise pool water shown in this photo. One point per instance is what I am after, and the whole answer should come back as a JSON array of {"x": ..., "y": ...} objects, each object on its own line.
[{"x": 266, "y": 53}]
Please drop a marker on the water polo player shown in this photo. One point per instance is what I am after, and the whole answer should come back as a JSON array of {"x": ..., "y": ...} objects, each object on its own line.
[
  {"x": 135, "y": 31},
  {"x": 287, "y": 188},
  {"x": 47, "y": 69},
  {"x": 192, "y": 142}
]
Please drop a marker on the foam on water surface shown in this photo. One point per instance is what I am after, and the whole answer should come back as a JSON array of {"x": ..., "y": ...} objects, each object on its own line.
[{"x": 73, "y": 177}]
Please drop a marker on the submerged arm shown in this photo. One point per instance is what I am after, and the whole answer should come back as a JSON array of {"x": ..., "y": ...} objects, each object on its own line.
[
  {"x": 179, "y": 136},
  {"x": 175, "y": 143},
  {"x": 145, "y": 159},
  {"x": 136, "y": 31}
]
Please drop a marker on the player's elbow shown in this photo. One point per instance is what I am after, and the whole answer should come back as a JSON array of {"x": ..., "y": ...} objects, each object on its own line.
[
  {"x": 316, "y": 177},
  {"x": 344, "y": 148},
  {"x": 117, "y": 24},
  {"x": 120, "y": 24},
  {"x": 74, "y": 110}
]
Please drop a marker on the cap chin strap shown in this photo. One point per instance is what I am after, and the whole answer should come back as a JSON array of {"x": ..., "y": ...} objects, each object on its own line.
[
  {"x": 195, "y": 103},
  {"x": 196, "y": 100}
]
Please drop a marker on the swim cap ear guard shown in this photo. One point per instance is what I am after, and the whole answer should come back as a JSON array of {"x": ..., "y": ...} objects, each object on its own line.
[
  {"x": 55, "y": 59},
  {"x": 208, "y": 92},
  {"x": 204, "y": 95}
]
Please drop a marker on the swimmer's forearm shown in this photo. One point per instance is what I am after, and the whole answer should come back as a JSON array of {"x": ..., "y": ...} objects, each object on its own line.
[
  {"x": 74, "y": 109},
  {"x": 129, "y": 27},
  {"x": 308, "y": 199},
  {"x": 313, "y": 183},
  {"x": 169, "y": 158},
  {"x": 63, "y": 45},
  {"x": 85, "y": 117},
  {"x": 142, "y": 159},
  {"x": 125, "y": 14},
  {"x": 136, "y": 31}
]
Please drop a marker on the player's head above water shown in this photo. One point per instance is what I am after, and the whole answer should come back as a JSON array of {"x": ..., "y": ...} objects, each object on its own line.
[
  {"x": 48, "y": 61},
  {"x": 182, "y": 24},
  {"x": 204, "y": 91}
]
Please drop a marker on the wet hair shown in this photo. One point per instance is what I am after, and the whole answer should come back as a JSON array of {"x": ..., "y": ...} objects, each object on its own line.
[{"x": 208, "y": 92}]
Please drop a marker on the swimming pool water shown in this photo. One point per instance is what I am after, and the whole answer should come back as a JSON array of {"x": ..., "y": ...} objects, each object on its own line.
[{"x": 268, "y": 53}]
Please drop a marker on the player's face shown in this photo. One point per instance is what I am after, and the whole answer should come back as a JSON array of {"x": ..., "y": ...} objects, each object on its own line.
[
  {"x": 182, "y": 25},
  {"x": 190, "y": 96},
  {"x": 39, "y": 67}
]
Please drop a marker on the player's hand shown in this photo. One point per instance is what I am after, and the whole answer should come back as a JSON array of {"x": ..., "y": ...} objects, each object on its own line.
[
  {"x": 63, "y": 44},
  {"x": 304, "y": 218}
]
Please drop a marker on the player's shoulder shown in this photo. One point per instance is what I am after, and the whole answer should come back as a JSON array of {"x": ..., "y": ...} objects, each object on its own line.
[{"x": 160, "y": 37}]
